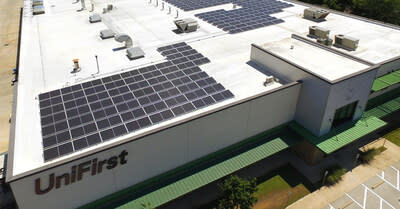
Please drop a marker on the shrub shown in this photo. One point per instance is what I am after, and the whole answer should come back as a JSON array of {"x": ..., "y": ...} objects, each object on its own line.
[
  {"x": 368, "y": 155},
  {"x": 335, "y": 174}
]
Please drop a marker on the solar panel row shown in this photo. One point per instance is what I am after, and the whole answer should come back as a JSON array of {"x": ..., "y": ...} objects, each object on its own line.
[
  {"x": 86, "y": 114},
  {"x": 188, "y": 5},
  {"x": 253, "y": 14}
]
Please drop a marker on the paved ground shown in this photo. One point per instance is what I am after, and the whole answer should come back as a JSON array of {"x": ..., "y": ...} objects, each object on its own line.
[
  {"x": 365, "y": 182},
  {"x": 9, "y": 25},
  {"x": 379, "y": 192}
]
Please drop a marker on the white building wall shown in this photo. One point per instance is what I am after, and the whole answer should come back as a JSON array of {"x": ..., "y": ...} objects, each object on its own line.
[
  {"x": 162, "y": 151},
  {"x": 319, "y": 99},
  {"x": 312, "y": 102},
  {"x": 389, "y": 67},
  {"x": 314, "y": 91},
  {"x": 277, "y": 66},
  {"x": 345, "y": 92}
]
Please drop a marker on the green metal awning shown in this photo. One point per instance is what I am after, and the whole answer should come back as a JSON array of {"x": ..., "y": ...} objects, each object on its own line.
[
  {"x": 208, "y": 175},
  {"x": 391, "y": 78},
  {"x": 384, "y": 104},
  {"x": 379, "y": 85},
  {"x": 341, "y": 136},
  {"x": 386, "y": 81},
  {"x": 191, "y": 176}
]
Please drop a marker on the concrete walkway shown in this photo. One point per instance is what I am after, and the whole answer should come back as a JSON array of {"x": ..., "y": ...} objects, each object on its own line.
[
  {"x": 352, "y": 179},
  {"x": 9, "y": 26}
]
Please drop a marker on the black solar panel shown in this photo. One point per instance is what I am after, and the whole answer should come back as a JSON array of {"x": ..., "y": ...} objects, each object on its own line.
[
  {"x": 188, "y": 5},
  {"x": 83, "y": 115},
  {"x": 252, "y": 14}
]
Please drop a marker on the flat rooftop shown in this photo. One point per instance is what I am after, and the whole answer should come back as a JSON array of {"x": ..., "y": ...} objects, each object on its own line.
[
  {"x": 319, "y": 61},
  {"x": 49, "y": 43}
]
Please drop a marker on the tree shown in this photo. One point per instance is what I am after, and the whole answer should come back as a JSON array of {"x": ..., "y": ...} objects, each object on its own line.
[
  {"x": 238, "y": 193},
  {"x": 383, "y": 10}
]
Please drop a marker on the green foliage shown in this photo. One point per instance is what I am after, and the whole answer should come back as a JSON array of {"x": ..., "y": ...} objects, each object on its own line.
[
  {"x": 314, "y": 1},
  {"x": 335, "y": 174},
  {"x": 334, "y": 4},
  {"x": 238, "y": 193},
  {"x": 370, "y": 154},
  {"x": 393, "y": 136},
  {"x": 272, "y": 185},
  {"x": 383, "y": 10}
]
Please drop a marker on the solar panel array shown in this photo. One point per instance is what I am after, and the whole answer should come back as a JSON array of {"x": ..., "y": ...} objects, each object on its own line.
[
  {"x": 86, "y": 114},
  {"x": 188, "y": 5},
  {"x": 253, "y": 14}
]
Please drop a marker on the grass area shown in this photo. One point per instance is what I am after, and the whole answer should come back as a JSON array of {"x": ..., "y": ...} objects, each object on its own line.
[
  {"x": 274, "y": 189},
  {"x": 271, "y": 185},
  {"x": 393, "y": 136},
  {"x": 276, "y": 193}
]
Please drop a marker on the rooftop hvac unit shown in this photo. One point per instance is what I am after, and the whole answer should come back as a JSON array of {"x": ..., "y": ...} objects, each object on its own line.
[
  {"x": 105, "y": 34},
  {"x": 318, "y": 32},
  {"x": 135, "y": 53},
  {"x": 39, "y": 9},
  {"x": 94, "y": 18},
  {"x": 346, "y": 42},
  {"x": 37, "y": 2},
  {"x": 315, "y": 14},
  {"x": 186, "y": 25}
]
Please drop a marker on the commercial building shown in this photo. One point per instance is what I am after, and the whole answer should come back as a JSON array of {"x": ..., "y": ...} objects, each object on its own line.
[{"x": 94, "y": 116}]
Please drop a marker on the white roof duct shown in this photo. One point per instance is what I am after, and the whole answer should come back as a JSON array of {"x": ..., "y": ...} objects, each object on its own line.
[{"x": 124, "y": 38}]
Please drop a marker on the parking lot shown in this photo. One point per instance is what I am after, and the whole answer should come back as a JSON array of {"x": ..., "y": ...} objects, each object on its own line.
[{"x": 381, "y": 191}]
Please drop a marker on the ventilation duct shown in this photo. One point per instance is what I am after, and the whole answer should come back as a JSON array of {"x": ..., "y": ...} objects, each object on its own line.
[
  {"x": 124, "y": 38},
  {"x": 83, "y": 4}
]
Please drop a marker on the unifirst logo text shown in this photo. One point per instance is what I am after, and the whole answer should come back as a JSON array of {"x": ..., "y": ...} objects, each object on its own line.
[{"x": 77, "y": 172}]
